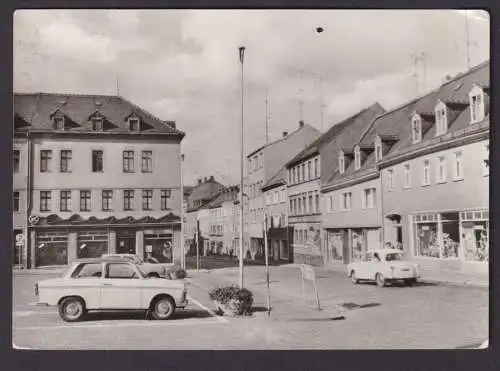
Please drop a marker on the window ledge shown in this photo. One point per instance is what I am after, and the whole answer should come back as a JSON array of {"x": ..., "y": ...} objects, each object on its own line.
[
  {"x": 442, "y": 181},
  {"x": 426, "y": 184},
  {"x": 458, "y": 179}
]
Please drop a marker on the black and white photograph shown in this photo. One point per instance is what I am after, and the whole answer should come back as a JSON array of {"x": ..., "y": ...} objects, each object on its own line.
[{"x": 250, "y": 179}]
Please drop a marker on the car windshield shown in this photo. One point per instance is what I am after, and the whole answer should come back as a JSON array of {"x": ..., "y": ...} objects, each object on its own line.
[{"x": 393, "y": 256}]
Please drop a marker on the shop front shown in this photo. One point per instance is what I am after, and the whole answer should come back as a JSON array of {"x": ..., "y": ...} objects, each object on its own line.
[
  {"x": 51, "y": 248},
  {"x": 159, "y": 243},
  {"x": 92, "y": 243}
]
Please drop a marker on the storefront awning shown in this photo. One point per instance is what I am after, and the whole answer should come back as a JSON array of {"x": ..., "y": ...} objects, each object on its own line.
[{"x": 78, "y": 220}]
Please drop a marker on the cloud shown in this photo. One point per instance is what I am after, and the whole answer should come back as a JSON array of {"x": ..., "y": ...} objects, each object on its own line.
[{"x": 183, "y": 65}]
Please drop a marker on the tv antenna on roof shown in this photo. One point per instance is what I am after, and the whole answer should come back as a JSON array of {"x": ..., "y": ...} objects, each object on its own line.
[{"x": 420, "y": 58}]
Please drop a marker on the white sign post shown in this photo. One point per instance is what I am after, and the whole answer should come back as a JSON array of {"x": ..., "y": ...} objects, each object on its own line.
[{"x": 308, "y": 274}]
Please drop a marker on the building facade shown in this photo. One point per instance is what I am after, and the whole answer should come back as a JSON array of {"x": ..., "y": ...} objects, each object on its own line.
[
  {"x": 279, "y": 235},
  {"x": 262, "y": 165},
  {"x": 103, "y": 177},
  {"x": 306, "y": 172}
]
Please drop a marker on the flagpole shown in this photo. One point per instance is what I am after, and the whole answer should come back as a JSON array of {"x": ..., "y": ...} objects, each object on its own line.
[
  {"x": 266, "y": 248},
  {"x": 242, "y": 56}
]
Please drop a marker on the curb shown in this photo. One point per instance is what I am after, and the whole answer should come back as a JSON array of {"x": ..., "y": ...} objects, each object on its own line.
[{"x": 457, "y": 284}]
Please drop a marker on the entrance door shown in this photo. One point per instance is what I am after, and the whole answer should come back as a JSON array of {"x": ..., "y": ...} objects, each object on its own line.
[{"x": 125, "y": 244}]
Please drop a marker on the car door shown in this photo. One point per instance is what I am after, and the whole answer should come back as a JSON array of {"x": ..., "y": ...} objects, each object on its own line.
[
  {"x": 121, "y": 287},
  {"x": 86, "y": 283},
  {"x": 364, "y": 264}
]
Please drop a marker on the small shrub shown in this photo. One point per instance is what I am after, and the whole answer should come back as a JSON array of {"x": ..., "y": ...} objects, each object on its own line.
[
  {"x": 176, "y": 272},
  {"x": 232, "y": 298}
]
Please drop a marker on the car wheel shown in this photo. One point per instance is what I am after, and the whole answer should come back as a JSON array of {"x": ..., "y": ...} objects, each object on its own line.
[
  {"x": 71, "y": 309},
  {"x": 353, "y": 277},
  {"x": 411, "y": 282},
  {"x": 163, "y": 308},
  {"x": 380, "y": 280}
]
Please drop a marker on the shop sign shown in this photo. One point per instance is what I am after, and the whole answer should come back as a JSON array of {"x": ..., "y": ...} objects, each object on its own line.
[{"x": 20, "y": 239}]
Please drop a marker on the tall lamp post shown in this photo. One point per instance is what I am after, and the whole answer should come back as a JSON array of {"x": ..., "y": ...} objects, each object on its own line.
[{"x": 242, "y": 56}]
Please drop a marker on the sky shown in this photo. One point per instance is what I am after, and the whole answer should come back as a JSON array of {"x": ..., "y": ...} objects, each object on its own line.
[{"x": 183, "y": 65}]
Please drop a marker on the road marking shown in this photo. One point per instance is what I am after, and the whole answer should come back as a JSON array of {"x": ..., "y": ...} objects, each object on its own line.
[
  {"x": 118, "y": 324},
  {"x": 218, "y": 318}
]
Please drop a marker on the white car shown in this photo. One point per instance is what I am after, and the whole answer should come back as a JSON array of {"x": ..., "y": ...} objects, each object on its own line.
[
  {"x": 110, "y": 284},
  {"x": 384, "y": 266}
]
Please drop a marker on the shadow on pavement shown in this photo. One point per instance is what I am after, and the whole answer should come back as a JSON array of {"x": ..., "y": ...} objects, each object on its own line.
[
  {"x": 141, "y": 315},
  {"x": 351, "y": 306}
]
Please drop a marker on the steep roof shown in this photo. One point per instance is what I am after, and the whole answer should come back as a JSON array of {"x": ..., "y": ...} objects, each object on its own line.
[
  {"x": 228, "y": 194},
  {"x": 36, "y": 110},
  {"x": 276, "y": 180},
  {"x": 204, "y": 192},
  {"x": 360, "y": 117},
  {"x": 396, "y": 124}
]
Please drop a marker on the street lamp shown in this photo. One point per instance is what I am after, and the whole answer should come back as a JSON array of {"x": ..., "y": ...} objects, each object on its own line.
[
  {"x": 183, "y": 253},
  {"x": 242, "y": 56}
]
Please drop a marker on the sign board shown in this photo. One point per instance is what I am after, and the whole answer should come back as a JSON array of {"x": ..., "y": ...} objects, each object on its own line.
[
  {"x": 149, "y": 248},
  {"x": 20, "y": 239}
]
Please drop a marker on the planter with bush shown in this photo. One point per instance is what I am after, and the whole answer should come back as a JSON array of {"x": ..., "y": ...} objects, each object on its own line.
[
  {"x": 232, "y": 300},
  {"x": 176, "y": 272}
]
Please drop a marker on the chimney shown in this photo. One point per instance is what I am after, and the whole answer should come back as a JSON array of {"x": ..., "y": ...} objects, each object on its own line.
[
  {"x": 171, "y": 123},
  {"x": 205, "y": 179},
  {"x": 211, "y": 177},
  {"x": 285, "y": 133},
  {"x": 199, "y": 181},
  {"x": 301, "y": 123}
]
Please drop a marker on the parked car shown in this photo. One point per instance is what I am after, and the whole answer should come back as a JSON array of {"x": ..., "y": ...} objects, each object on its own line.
[
  {"x": 101, "y": 284},
  {"x": 150, "y": 268},
  {"x": 384, "y": 266}
]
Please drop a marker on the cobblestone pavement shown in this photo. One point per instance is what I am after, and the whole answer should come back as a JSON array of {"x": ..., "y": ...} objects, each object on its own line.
[{"x": 431, "y": 316}]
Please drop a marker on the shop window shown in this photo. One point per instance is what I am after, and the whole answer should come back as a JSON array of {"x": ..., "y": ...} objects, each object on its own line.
[
  {"x": 334, "y": 246},
  {"x": 51, "y": 249},
  {"x": 358, "y": 244},
  {"x": 475, "y": 235},
  {"x": 437, "y": 235}
]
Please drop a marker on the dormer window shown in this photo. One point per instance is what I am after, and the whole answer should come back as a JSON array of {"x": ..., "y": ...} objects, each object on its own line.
[
  {"x": 378, "y": 149},
  {"x": 357, "y": 158},
  {"x": 97, "y": 123},
  {"x": 477, "y": 107},
  {"x": 134, "y": 124},
  {"x": 416, "y": 128},
  {"x": 441, "y": 118},
  {"x": 341, "y": 162},
  {"x": 58, "y": 122}
]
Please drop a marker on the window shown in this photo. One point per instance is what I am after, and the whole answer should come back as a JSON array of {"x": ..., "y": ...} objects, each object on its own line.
[
  {"x": 134, "y": 124},
  {"x": 16, "y": 160},
  {"x": 276, "y": 197},
  {"x": 291, "y": 206},
  {"x": 407, "y": 176},
  {"x": 316, "y": 168},
  {"x": 416, "y": 125},
  {"x": 426, "y": 180},
  {"x": 45, "y": 159},
  {"x": 357, "y": 158},
  {"x": 97, "y": 161},
  {"x": 128, "y": 199},
  {"x": 304, "y": 204},
  {"x": 121, "y": 271},
  {"x": 15, "y": 205},
  {"x": 378, "y": 149},
  {"x": 107, "y": 200},
  {"x": 317, "y": 204},
  {"x": 147, "y": 199},
  {"x": 128, "y": 161},
  {"x": 331, "y": 203},
  {"x": 65, "y": 201},
  {"x": 341, "y": 163},
  {"x": 369, "y": 198},
  {"x": 147, "y": 161},
  {"x": 303, "y": 172},
  {"x": 97, "y": 123},
  {"x": 309, "y": 170},
  {"x": 58, "y": 123},
  {"x": 310, "y": 204},
  {"x": 290, "y": 173},
  {"x": 390, "y": 180},
  {"x": 476, "y": 102},
  {"x": 441, "y": 119},
  {"x": 66, "y": 157},
  {"x": 299, "y": 208},
  {"x": 249, "y": 165},
  {"x": 345, "y": 200},
  {"x": 441, "y": 169},
  {"x": 283, "y": 195},
  {"x": 458, "y": 168},
  {"x": 84, "y": 200},
  {"x": 45, "y": 198},
  {"x": 88, "y": 270},
  {"x": 165, "y": 195},
  {"x": 486, "y": 160}
]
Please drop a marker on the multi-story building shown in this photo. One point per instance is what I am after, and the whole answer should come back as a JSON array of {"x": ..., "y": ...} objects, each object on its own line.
[
  {"x": 196, "y": 216},
  {"x": 103, "y": 176},
  {"x": 305, "y": 173},
  {"x": 435, "y": 176},
  {"x": 418, "y": 178},
  {"x": 223, "y": 223},
  {"x": 279, "y": 234},
  {"x": 262, "y": 164}
]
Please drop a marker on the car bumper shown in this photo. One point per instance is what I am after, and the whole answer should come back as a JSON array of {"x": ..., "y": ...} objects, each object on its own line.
[{"x": 182, "y": 304}]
